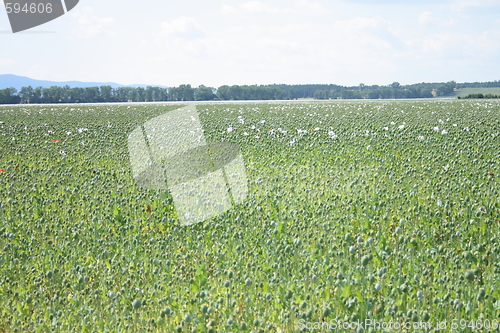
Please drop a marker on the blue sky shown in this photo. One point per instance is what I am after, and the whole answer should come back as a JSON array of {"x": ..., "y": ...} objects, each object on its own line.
[{"x": 261, "y": 42}]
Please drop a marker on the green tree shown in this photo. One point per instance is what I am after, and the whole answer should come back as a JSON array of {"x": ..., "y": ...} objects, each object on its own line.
[
  {"x": 203, "y": 93},
  {"x": 37, "y": 95},
  {"x": 395, "y": 85},
  {"x": 92, "y": 95},
  {"x": 149, "y": 94},
  {"x": 132, "y": 95},
  {"x": 223, "y": 93},
  {"x": 26, "y": 94},
  {"x": 122, "y": 94},
  {"x": 77, "y": 95},
  {"x": 185, "y": 92},
  {"x": 235, "y": 92},
  {"x": 141, "y": 94},
  {"x": 9, "y": 96},
  {"x": 106, "y": 94}
]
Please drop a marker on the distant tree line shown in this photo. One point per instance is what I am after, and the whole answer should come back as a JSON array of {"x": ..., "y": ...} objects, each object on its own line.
[
  {"x": 8, "y": 96},
  {"x": 490, "y": 84},
  {"x": 469, "y": 96},
  {"x": 251, "y": 92},
  {"x": 185, "y": 92},
  {"x": 362, "y": 91},
  {"x": 66, "y": 94},
  {"x": 107, "y": 94}
]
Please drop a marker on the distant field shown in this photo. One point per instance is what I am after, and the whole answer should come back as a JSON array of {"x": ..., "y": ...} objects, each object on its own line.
[{"x": 466, "y": 91}]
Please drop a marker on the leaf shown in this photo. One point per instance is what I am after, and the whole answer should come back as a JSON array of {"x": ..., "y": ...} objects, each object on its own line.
[
  {"x": 482, "y": 225},
  {"x": 327, "y": 294},
  {"x": 346, "y": 292},
  {"x": 359, "y": 296},
  {"x": 281, "y": 228}
]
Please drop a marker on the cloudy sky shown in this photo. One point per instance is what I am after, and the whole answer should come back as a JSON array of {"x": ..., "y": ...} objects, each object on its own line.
[{"x": 220, "y": 42}]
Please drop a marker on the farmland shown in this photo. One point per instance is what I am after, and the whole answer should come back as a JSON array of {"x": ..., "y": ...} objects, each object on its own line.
[
  {"x": 383, "y": 209},
  {"x": 467, "y": 91}
]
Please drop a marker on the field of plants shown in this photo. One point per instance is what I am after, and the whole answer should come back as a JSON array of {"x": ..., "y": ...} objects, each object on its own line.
[{"x": 388, "y": 210}]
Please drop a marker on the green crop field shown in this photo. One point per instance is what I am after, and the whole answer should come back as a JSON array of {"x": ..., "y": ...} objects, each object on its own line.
[
  {"x": 356, "y": 210},
  {"x": 467, "y": 91}
]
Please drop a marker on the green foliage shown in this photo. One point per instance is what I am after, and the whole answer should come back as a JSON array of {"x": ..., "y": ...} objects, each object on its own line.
[
  {"x": 479, "y": 95},
  {"x": 103, "y": 94},
  {"x": 411, "y": 186},
  {"x": 8, "y": 96},
  {"x": 250, "y": 92},
  {"x": 489, "y": 84},
  {"x": 184, "y": 92},
  {"x": 394, "y": 90}
]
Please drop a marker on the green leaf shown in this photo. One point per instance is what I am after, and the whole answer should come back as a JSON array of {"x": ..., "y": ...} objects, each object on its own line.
[{"x": 346, "y": 292}]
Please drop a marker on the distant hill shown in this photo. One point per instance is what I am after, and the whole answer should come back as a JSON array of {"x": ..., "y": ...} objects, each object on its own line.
[{"x": 15, "y": 81}]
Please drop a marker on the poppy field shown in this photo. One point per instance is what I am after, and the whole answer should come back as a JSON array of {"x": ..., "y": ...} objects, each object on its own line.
[{"x": 383, "y": 210}]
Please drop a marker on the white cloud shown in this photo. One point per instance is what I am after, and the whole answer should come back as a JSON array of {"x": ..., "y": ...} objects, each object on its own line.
[
  {"x": 361, "y": 23},
  {"x": 455, "y": 46},
  {"x": 488, "y": 43},
  {"x": 428, "y": 18},
  {"x": 312, "y": 8},
  {"x": 257, "y": 7},
  {"x": 263, "y": 41},
  {"x": 7, "y": 63},
  {"x": 41, "y": 72},
  {"x": 364, "y": 32},
  {"x": 229, "y": 10},
  {"x": 252, "y": 7},
  {"x": 425, "y": 18},
  {"x": 182, "y": 38},
  {"x": 89, "y": 25},
  {"x": 269, "y": 53},
  {"x": 183, "y": 27},
  {"x": 280, "y": 44},
  {"x": 442, "y": 43},
  {"x": 303, "y": 7},
  {"x": 462, "y": 5},
  {"x": 361, "y": 49}
]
